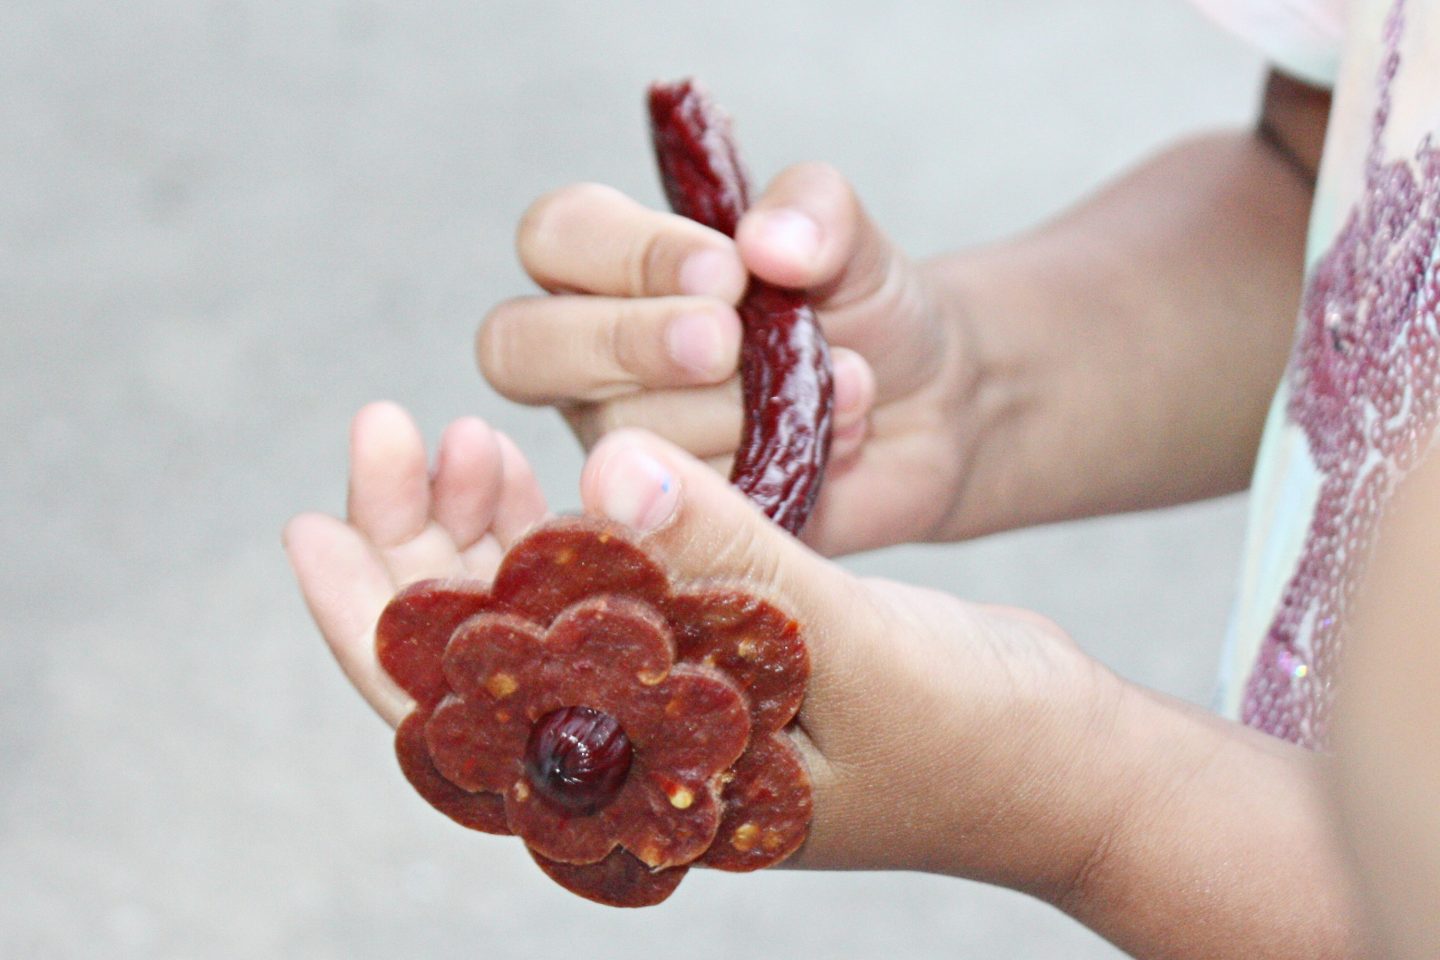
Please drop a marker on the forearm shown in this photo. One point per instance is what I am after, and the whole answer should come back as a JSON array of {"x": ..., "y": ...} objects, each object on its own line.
[
  {"x": 1220, "y": 846},
  {"x": 1174, "y": 833},
  {"x": 1128, "y": 350}
]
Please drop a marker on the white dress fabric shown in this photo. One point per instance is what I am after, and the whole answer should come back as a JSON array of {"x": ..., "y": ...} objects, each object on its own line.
[{"x": 1359, "y": 401}]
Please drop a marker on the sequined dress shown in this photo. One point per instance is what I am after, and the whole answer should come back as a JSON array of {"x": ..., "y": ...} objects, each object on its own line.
[{"x": 1360, "y": 398}]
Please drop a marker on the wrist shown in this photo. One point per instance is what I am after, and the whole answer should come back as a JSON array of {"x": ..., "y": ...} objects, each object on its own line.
[
  {"x": 1063, "y": 787},
  {"x": 1019, "y": 781},
  {"x": 1000, "y": 377}
]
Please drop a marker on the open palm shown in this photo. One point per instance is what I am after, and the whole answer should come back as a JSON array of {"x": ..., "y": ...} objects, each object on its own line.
[{"x": 407, "y": 523}]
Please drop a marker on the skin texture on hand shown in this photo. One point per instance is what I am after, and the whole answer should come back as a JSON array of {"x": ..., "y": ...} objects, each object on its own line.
[{"x": 1128, "y": 350}]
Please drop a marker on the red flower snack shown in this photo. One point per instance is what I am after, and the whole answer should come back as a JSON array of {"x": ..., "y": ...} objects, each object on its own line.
[{"x": 622, "y": 728}]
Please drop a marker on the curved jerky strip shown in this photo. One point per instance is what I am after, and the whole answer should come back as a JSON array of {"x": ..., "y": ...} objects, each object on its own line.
[
  {"x": 784, "y": 360},
  {"x": 619, "y": 880}
]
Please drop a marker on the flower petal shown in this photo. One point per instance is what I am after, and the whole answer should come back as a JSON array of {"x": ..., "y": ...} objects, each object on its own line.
[
  {"x": 750, "y": 639},
  {"x": 696, "y": 726},
  {"x": 665, "y": 821},
  {"x": 608, "y": 643},
  {"x": 572, "y": 558},
  {"x": 497, "y": 657},
  {"x": 767, "y": 808},
  {"x": 478, "y": 811},
  {"x": 553, "y": 833},
  {"x": 619, "y": 880},
  {"x": 477, "y": 745},
  {"x": 414, "y": 628}
]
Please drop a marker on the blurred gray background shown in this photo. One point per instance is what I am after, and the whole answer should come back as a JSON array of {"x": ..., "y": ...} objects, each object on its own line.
[{"x": 226, "y": 224}]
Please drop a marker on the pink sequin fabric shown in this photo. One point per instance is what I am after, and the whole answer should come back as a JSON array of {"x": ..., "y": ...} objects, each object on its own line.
[{"x": 1364, "y": 384}]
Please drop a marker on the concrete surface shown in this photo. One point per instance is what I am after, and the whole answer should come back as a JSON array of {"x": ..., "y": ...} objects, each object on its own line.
[{"x": 226, "y": 224}]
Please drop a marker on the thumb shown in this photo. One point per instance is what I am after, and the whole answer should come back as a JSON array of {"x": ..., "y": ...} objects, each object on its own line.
[
  {"x": 810, "y": 232},
  {"x": 701, "y": 528}
]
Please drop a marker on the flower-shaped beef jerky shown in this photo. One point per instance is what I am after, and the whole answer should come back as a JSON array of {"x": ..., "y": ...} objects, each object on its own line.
[{"x": 624, "y": 730}]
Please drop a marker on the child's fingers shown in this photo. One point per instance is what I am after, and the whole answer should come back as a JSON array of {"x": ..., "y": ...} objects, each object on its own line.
[
  {"x": 469, "y": 477},
  {"x": 854, "y": 401},
  {"x": 591, "y": 238},
  {"x": 567, "y": 349},
  {"x": 389, "y": 501},
  {"x": 345, "y": 587},
  {"x": 809, "y": 230},
  {"x": 854, "y": 388},
  {"x": 522, "y": 503},
  {"x": 518, "y": 505}
]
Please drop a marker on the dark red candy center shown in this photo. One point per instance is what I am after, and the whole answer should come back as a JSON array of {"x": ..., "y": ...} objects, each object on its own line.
[{"x": 577, "y": 758}]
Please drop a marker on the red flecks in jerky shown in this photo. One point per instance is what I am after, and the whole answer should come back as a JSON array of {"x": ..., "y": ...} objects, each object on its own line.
[
  {"x": 784, "y": 361},
  {"x": 553, "y": 571},
  {"x": 622, "y": 729},
  {"x": 700, "y": 682},
  {"x": 1364, "y": 387}
]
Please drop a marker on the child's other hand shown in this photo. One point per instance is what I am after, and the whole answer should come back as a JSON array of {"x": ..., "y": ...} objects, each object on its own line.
[
  {"x": 406, "y": 524},
  {"x": 640, "y": 330}
]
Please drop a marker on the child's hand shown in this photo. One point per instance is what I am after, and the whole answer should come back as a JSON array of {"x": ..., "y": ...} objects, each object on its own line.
[
  {"x": 641, "y": 331},
  {"x": 940, "y": 735},
  {"x": 407, "y": 524}
]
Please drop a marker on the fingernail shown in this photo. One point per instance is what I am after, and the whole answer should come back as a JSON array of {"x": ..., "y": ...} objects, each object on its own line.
[
  {"x": 710, "y": 273},
  {"x": 791, "y": 233},
  {"x": 693, "y": 342},
  {"x": 637, "y": 490}
]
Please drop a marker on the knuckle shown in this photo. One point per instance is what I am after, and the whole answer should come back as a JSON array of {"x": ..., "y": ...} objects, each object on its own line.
[
  {"x": 603, "y": 418},
  {"x": 839, "y": 197},
  {"x": 822, "y": 174},
  {"x": 645, "y": 259},
  {"x": 624, "y": 340},
  {"x": 743, "y": 548},
  {"x": 534, "y": 221},
  {"x": 821, "y": 180}
]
